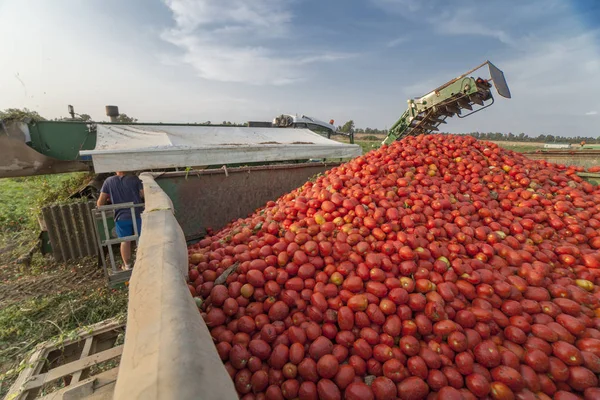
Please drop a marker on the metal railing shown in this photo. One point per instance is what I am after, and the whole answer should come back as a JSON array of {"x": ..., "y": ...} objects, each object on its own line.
[{"x": 107, "y": 241}]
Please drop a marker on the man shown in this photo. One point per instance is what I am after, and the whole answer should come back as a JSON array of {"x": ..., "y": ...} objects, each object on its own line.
[{"x": 123, "y": 188}]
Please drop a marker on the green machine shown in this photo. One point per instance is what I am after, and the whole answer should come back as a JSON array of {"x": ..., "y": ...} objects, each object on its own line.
[{"x": 425, "y": 114}]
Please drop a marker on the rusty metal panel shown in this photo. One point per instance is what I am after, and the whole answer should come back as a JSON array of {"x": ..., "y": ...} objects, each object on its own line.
[
  {"x": 213, "y": 198},
  {"x": 582, "y": 158},
  {"x": 70, "y": 230}
]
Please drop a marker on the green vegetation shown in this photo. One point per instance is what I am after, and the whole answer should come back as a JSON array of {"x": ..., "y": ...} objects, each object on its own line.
[
  {"x": 368, "y": 145},
  {"x": 522, "y": 137},
  {"x": 15, "y": 203},
  {"x": 347, "y": 127},
  {"x": 125, "y": 119},
  {"x": 25, "y": 324},
  {"x": 55, "y": 315},
  {"x": 22, "y": 198},
  {"x": 374, "y": 131},
  {"x": 18, "y": 114},
  {"x": 372, "y": 138},
  {"x": 42, "y": 299}
]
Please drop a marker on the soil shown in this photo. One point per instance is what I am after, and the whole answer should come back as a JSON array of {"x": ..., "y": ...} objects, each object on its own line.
[
  {"x": 16, "y": 283},
  {"x": 42, "y": 299}
]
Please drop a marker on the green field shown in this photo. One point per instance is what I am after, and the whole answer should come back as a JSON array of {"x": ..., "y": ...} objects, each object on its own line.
[
  {"x": 42, "y": 299},
  {"x": 16, "y": 201},
  {"x": 368, "y": 145},
  {"x": 20, "y": 198}
]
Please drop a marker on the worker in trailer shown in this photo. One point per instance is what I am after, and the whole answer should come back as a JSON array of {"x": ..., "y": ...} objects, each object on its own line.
[{"x": 124, "y": 188}]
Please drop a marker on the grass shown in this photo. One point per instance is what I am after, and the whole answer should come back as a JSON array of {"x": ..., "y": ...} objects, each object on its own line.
[
  {"x": 365, "y": 145},
  {"x": 25, "y": 324},
  {"x": 370, "y": 138},
  {"x": 15, "y": 202},
  {"x": 21, "y": 201},
  {"x": 368, "y": 145},
  {"x": 22, "y": 198},
  {"x": 54, "y": 311}
]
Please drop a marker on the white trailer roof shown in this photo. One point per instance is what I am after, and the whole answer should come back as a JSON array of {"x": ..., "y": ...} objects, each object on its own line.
[{"x": 141, "y": 147}]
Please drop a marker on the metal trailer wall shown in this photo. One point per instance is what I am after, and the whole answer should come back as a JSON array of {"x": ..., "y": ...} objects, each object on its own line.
[
  {"x": 201, "y": 199},
  {"x": 71, "y": 230},
  {"x": 213, "y": 198},
  {"x": 582, "y": 158},
  {"x": 168, "y": 351}
]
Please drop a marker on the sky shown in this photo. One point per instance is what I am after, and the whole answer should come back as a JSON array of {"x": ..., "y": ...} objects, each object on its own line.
[{"x": 239, "y": 60}]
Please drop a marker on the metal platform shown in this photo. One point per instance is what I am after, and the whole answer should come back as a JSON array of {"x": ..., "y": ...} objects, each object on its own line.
[{"x": 106, "y": 239}]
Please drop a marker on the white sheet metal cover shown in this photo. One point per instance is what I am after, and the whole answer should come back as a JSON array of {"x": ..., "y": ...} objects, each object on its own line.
[{"x": 140, "y": 147}]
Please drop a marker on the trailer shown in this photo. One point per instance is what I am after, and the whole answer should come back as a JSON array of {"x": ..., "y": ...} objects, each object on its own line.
[{"x": 167, "y": 350}]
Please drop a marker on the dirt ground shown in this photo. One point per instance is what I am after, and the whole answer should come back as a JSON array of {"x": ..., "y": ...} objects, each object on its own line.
[
  {"x": 23, "y": 277},
  {"x": 17, "y": 284},
  {"x": 44, "y": 299}
]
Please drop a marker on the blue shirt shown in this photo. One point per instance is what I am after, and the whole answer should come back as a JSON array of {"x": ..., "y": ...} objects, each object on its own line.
[{"x": 124, "y": 189}]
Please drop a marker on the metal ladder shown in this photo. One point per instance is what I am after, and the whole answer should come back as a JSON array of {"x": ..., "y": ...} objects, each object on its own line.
[{"x": 114, "y": 276}]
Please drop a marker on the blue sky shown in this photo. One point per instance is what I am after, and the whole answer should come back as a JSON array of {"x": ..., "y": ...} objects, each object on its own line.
[{"x": 198, "y": 60}]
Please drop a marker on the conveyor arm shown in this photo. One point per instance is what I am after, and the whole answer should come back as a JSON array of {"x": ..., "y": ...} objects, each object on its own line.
[{"x": 425, "y": 114}]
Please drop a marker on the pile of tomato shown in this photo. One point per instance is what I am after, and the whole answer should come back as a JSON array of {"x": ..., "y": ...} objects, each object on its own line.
[{"x": 438, "y": 267}]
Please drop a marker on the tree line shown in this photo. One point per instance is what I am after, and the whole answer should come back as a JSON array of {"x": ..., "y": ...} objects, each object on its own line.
[
  {"x": 496, "y": 136},
  {"x": 522, "y": 137},
  {"x": 349, "y": 127},
  {"x": 25, "y": 113}
]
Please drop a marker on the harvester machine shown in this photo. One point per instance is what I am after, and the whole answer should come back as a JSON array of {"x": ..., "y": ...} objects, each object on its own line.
[
  {"x": 29, "y": 147},
  {"x": 464, "y": 93}
]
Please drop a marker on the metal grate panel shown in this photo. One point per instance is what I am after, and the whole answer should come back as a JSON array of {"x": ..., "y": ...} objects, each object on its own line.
[{"x": 71, "y": 230}]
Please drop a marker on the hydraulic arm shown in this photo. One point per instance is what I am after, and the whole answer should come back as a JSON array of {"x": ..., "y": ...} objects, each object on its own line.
[{"x": 425, "y": 114}]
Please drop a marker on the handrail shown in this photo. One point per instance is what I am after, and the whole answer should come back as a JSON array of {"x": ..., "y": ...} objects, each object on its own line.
[{"x": 169, "y": 353}]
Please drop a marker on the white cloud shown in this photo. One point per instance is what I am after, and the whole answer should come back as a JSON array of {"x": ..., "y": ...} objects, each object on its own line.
[
  {"x": 239, "y": 41},
  {"x": 397, "y": 41},
  {"x": 399, "y": 6},
  {"x": 591, "y": 113},
  {"x": 444, "y": 19},
  {"x": 544, "y": 76},
  {"x": 464, "y": 22},
  {"x": 259, "y": 16}
]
